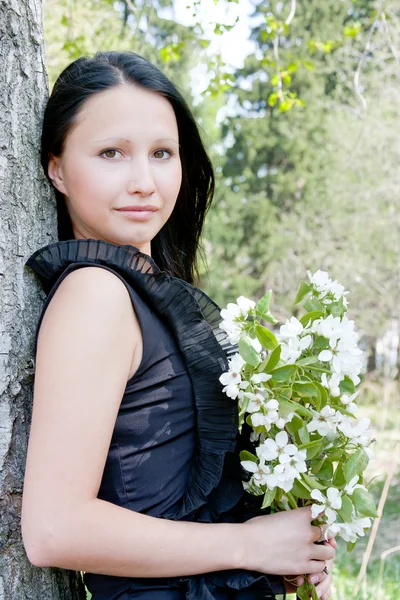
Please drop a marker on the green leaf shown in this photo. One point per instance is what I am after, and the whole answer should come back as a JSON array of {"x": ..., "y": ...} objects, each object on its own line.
[
  {"x": 285, "y": 407},
  {"x": 304, "y": 289},
  {"x": 283, "y": 393},
  {"x": 311, "y": 444},
  {"x": 355, "y": 464},
  {"x": 295, "y": 424},
  {"x": 301, "y": 410},
  {"x": 248, "y": 352},
  {"x": 308, "y": 360},
  {"x": 322, "y": 399},
  {"x": 347, "y": 386},
  {"x": 315, "y": 450},
  {"x": 273, "y": 99},
  {"x": 245, "y": 455},
  {"x": 303, "y": 432},
  {"x": 350, "y": 546},
  {"x": 283, "y": 373},
  {"x": 262, "y": 305},
  {"x": 244, "y": 404},
  {"x": 313, "y": 482},
  {"x": 273, "y": 359},
  {"x": 269, "y": 497},
  {"x": 306, "y": 591},
  {"x": 364, "y": 503},
  {"x": 300, "y": 491},
  {"x": 275, "y": 80},
  {"x": 312, "y": 305},
  {"x": 326, "y": 471},
  {"x": 321, "y": 342},
  {"x": 338, "y": 478},
  {"x": 346, "y": 511},
  {"x": 305, "y": 390},
  {"x": 266, "y": 337},
  {"x": 311, "y": 316}
]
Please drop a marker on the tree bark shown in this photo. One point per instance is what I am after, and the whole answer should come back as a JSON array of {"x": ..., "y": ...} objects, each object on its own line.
[{"x": 27, "y": 222}]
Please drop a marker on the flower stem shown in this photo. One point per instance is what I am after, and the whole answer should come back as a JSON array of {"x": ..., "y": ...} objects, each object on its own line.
[{"x": 292, "y": 500}]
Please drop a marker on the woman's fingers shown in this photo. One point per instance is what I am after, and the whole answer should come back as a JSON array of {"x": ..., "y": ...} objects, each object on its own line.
[
  {"x": 323, "y": 552},
  {"x": 315, "y": 566},
  {"x": 324, "y": 588},
  {"x": 319, "y": 532},
  {"x": 332, "y": 541}
]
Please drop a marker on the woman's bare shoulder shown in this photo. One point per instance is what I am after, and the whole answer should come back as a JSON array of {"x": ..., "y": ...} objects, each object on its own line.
[{"x": 84, "y": 352}]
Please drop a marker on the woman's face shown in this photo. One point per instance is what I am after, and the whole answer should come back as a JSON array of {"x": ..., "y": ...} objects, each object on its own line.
[{"x": 122, "y": 151}]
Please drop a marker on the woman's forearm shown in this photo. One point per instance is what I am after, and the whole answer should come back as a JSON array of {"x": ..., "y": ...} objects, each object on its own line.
[{"x": 101, "y": 537}]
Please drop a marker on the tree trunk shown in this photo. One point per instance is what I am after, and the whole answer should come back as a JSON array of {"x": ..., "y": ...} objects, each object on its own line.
[{"x": 27, "y": 221}]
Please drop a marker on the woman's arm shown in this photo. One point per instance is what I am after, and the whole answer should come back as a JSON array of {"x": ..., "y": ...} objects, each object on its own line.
[{"x": 87, "y": 342}]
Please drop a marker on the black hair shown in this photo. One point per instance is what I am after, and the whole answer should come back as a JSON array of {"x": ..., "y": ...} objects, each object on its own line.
[{"x": 174, "y": 249}]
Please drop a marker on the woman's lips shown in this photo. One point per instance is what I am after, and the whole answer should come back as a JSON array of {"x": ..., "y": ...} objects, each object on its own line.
[{"x": 138, "y": 213}]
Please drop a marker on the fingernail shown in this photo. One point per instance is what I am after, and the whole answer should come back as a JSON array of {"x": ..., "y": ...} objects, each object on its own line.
[{"x": 314, "y": 579}]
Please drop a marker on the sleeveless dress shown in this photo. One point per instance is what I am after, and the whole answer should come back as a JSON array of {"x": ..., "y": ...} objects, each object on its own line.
[{"x": 174, "y": 448}]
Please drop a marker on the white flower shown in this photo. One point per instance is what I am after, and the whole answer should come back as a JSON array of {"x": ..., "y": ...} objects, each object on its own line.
[
  {"x": 260, "y": 377},
  {"x": 358, "y": 525},
  {"x": 332, "y": 384},
  {"x": 344, "y": 530},
  {"x": 292, "y": 349},
  {"x": 291, "y": 328},
  {"x": 320, "y": 280},
  {"x": 327, "y": 504},
  {"x": 236, "y": 363},
  {"x": 348, "y": 402},
  {"x": 324, "y": 421},
  {"x": 233, "y": 316},
  {"x": 331, "y": 328},
  {"x": 343, "y": 423},
  {"x": 260, "y": 471},
  {"x": 266, "y": 415},
  {"x": 362, "y": 436},
  {"x": 350, "y": 532},
  {"x": 352, "y": 485},
  {"x": 281, "y": 477},
  {"x": 232, "y": 379},
  {"x": 283, "y": 419},
  {"x": 295, "y": 462},
  {"x": 245, "y": 305},
  {"x": 344, "y": 354},
  {"x": 271, "y": 449},
  {"x": 324, "y": 285},
  {"x": 231, "y": 382},
  {"x": 325, "y": 356}
]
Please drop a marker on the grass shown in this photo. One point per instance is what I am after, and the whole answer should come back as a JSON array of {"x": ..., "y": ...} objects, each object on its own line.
[{"x": 381, "y": 403}]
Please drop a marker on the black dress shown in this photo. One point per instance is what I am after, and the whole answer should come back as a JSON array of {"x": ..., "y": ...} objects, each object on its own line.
[{"x": 173, "y": 452}]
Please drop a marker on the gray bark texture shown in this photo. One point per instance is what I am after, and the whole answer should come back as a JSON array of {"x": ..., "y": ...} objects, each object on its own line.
[{"x": 27, "y": 222}]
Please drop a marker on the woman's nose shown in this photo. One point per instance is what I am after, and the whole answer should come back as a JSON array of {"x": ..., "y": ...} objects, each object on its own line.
[{"x": 141, "y": 179}]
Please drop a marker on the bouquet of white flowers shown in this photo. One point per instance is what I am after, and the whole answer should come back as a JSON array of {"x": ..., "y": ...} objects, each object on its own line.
[{"x": 296, "y": 389}]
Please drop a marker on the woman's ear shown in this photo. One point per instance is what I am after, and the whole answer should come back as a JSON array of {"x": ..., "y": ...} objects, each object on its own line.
[{"x": 54, "y": 170}]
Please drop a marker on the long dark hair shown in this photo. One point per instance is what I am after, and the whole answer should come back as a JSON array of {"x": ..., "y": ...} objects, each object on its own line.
[{"x": 175, "y": 247}]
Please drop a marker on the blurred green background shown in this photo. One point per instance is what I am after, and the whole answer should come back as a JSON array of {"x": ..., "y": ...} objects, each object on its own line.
[{"x": 298, "y": 105}]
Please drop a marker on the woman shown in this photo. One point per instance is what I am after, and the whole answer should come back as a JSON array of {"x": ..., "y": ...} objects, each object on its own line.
[{"x": 132, "y": 472}]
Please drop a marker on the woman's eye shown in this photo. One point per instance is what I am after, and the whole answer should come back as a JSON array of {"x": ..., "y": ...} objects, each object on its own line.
[
  {"x": 161, "y": 151},
  {"x": 108, "y": 150}
]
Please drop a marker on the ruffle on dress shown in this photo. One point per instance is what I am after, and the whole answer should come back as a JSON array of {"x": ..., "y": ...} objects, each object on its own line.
[{"x": 214, "y": 485}]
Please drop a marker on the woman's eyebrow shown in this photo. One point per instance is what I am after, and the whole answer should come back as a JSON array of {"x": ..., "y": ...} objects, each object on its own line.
[{"x": 129, "y": 142}]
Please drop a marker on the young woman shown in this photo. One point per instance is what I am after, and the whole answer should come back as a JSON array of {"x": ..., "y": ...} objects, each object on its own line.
[{"x": 132, "y": 473}]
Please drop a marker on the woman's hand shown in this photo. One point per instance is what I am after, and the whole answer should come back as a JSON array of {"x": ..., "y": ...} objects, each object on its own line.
[
  {"x": 284, "y": 542},
  {"x": 322, "y": 581}
]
